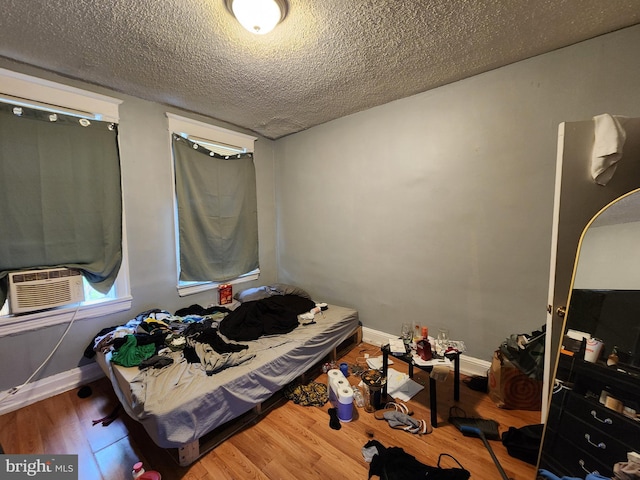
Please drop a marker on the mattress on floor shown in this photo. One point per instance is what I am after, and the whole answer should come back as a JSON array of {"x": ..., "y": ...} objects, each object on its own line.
[{"x": 180, "y": 403}]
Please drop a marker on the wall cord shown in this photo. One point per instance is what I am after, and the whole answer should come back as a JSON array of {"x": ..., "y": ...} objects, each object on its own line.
[{"x": 16, "y": 389}]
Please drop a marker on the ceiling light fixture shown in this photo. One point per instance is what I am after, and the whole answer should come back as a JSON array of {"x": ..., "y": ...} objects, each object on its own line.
[{"x": 258, "y": 16}]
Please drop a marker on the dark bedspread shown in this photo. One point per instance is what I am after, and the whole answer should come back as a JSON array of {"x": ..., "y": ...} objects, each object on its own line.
[{"x": 273, "y": 315}]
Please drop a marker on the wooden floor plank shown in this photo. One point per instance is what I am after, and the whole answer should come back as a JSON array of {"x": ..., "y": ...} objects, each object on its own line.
[
  {"x": 215, "y": 467},
  {"x": 268, "y": 450},
  {"x": 239, "y": 464},
  {"x": 26, "y": 419}
]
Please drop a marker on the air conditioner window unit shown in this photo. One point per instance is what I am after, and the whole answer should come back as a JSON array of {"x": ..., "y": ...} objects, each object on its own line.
[{"x": 40, "y": 289}]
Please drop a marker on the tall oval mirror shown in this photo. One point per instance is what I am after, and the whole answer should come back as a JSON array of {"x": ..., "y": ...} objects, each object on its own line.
[{"x": 593, "y": 421}]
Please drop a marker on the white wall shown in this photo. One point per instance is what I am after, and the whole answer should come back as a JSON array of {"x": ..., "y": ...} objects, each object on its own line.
[
  {"x": 437, "y": 208},
  {"x": 145, "y": 153}
]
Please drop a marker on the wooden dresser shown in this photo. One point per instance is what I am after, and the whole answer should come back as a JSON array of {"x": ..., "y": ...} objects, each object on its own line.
[{"x": 583, "y": 435}]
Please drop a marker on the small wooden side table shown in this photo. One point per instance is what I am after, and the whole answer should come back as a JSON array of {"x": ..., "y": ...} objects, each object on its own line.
[{"x": 407, "y": 358}]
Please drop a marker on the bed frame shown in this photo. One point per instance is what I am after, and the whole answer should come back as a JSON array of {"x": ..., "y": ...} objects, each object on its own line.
[
  {"x": 190, "y": 452},
  {"x": 338, "y": 332}
]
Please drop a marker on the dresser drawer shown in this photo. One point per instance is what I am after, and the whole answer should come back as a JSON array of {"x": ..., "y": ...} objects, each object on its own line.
[
  {"x": 561, "y": 457},
  {"x": 596, "y": 444},
  {"x": 553, "y": 465},
  {"x": 611, "y": 423}
]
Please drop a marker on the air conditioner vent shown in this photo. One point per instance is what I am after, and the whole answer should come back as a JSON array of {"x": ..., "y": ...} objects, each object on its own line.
[{"x": 41, "y": 289}]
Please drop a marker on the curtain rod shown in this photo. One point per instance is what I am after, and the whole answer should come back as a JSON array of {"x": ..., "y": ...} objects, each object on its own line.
[
  {"x": 23, "y": 102},
  {"x": 226, "y": 146}
]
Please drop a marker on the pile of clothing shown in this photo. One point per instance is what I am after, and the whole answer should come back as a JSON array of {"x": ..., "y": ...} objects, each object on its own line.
[
  {"x": 150, "y": 339},
  {"x": 394, "y": 463}
]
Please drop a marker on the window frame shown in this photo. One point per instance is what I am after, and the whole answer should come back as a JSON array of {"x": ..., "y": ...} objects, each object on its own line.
[
  {"x": 43, "y": 94},
  {"x": 235, "y": 142}
]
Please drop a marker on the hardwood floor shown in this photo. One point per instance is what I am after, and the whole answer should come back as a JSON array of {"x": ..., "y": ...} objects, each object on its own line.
[{"x": 290, "y": 442}]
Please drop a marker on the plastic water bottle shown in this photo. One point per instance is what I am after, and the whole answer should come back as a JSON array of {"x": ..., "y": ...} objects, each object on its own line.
[
  {"x": 358, "y": 398},
  {"x": 139, "y": 473},
  {"x": 150, "y": 475},
  {"x": 138, "y": 470}
]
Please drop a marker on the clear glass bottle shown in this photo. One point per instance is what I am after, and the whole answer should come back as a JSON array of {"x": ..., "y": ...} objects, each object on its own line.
[{"x": 416, "y": 335}]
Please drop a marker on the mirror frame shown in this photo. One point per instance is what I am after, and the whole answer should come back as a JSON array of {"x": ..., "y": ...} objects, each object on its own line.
[{"x": 567, "y": 311}]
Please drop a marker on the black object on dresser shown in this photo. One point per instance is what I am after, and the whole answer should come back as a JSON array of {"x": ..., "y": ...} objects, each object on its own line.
[{"x": 582, "y": 434}]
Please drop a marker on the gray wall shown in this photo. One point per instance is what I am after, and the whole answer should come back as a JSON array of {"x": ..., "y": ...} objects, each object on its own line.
[
  {"x": 146, "y": 174},
  {"x": 438, "y": 208},
  {"x": 610, "y": 258}
]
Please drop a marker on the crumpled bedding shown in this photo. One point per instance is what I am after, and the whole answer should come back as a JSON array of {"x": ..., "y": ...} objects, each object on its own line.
[
  {"x": 269, "y": 316},
  {"x": 179, "y": 403},
  {"x": 213, "y": 361}
]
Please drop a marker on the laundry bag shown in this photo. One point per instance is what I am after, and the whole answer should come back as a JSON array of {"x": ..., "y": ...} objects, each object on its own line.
[{"x": 512, "y": 389}]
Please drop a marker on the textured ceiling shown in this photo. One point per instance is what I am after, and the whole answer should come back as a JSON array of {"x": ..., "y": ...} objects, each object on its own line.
[{"x": 327, "y": 59}]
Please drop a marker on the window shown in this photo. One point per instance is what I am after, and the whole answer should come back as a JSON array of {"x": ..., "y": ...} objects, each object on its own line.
[
  {"x": 215, "y": 205},
  {"x": 41, "y": 100}
]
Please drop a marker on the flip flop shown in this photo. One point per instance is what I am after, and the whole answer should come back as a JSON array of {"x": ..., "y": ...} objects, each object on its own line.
[
  {"x": 392, "y": 407},
  {"x": 402, "y": 421},
  {"x": 421, "y": 429}
]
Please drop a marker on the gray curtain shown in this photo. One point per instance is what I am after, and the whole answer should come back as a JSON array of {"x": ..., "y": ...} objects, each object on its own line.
[
  {"x": 217, "y": 213},
  {"x": 60, "y": 196}
]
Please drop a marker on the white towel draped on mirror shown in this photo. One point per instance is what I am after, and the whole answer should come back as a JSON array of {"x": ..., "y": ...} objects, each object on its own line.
[{"x": 610, "y": 136}]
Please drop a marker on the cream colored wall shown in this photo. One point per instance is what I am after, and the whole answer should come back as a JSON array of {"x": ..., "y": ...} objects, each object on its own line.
[{"x": 438, "y": 208}]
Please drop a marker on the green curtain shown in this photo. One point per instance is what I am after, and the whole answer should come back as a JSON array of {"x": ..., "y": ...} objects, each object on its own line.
[
  {"x": 60, "y": 195},
  {"x": 217, "y": 213}
]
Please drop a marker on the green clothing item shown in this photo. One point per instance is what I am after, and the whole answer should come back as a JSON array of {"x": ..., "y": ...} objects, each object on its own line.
[{"x": 130, "y": 354}]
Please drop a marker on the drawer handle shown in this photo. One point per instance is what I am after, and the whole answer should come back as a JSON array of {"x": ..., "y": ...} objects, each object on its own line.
[
  {"x": 607, "y": 420},
  {"x": 581, "y": 463},
  {"x": 601, "y": 445}
]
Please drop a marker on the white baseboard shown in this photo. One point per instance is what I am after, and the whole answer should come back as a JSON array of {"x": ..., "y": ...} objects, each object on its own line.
[
  {"x": 49, "y": 387},
  {"x": 468, "y": 365}
]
